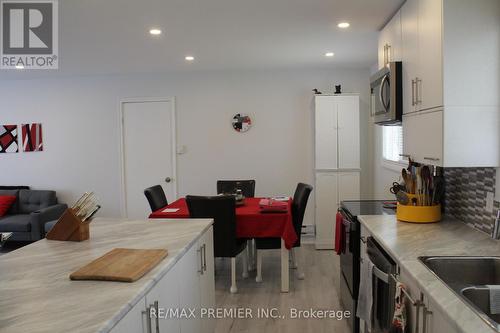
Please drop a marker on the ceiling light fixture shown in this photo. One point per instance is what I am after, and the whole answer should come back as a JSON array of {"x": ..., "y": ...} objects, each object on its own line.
[
  {"x": 155, "y": 32},
  {"x": 189, "y": 58},
  {"x": 343, "y": 25},
  {"x": 329, "y": 54}
]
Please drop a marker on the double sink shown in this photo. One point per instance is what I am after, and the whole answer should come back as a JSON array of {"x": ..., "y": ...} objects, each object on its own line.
[{"x": 468, "y": 277}]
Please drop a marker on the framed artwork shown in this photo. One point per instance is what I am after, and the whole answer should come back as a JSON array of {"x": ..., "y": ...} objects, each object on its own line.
[
  {"x": 32, "y": 137},
  {"x": 241, "y": 123},
  {"x": 8, "y": 139}
]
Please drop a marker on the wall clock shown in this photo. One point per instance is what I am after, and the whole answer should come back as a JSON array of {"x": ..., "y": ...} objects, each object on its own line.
[{"x": 241, "y": 122}]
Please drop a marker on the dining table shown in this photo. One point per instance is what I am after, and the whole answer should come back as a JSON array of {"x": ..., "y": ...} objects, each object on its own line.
[{"x": 251, "y": 222}]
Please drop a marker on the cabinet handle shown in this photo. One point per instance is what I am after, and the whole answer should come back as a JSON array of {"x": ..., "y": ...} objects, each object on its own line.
[
  {"x": 431, "y": 158},
  {"x": 405, "y": 155},
  {"x": 412, "y": 92},
  {"x": 204, "y": 257},
  {"x": 418, "y": 99},
  {"x": 389, "y": 53},
  {"x": 200, "y": 251},
  {"x": 424, "y": 319},
  {"x": 157, "y": 319},
  {"x": 148, "y": 319}
]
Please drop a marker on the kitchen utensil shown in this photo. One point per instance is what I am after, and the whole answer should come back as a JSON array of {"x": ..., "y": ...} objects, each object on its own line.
[
  {"x": 402, "y": 198},
  {"x": 418, "y": 214},
  {"x": 426, "y": 178},
  {"x": 396, "y": 187}
]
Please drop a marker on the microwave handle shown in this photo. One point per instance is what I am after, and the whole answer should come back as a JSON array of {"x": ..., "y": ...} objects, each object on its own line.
[{"x": 384, "y": 81}]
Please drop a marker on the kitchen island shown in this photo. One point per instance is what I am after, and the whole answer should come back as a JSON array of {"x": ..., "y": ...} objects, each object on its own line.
[
  {"x": 36, "y": 294},
  {"x": 406, "y": 242}
]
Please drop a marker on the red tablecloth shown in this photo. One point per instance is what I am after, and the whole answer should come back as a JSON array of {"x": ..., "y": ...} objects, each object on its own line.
[{"x": 250, "y": 222}]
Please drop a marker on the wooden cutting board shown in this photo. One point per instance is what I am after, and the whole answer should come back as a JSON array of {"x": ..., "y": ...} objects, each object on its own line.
[{"x": 124, "y": 265}]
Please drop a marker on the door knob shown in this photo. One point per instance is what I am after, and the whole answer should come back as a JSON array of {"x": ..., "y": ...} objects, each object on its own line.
[{"x": 168, "y": 180}]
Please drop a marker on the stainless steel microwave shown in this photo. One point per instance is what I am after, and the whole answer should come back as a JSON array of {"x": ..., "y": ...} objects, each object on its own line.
[{"x": 387, "y": 94}]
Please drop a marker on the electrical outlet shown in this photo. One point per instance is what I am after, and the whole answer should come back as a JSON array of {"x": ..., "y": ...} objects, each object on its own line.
[{"x": 489, "y": 201}]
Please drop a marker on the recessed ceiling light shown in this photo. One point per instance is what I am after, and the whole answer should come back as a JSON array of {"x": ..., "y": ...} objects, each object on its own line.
[
  {"x": 155, "y": 32},
  {"x": 343, "y": 25},
  {"x": 189, "y": 58},
  {"x": 329, "y": 54},
  {"x": 19, "y": 67}
]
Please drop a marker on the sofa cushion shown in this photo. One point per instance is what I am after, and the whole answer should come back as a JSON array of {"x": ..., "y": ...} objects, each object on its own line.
[
  {"x": 32, "y": 200},
  {"x": 15, "y": 223},
  {"x": 6, "y": 201},
  {"x": 14, "y": 208}
]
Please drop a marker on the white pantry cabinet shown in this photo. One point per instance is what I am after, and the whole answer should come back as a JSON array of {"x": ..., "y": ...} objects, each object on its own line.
[
  {"x": 337, "y": 149},
  {"x": 189, "y": 284},
  {"x": 337, "y": 132},
  {"x": 450, "y": 59}
]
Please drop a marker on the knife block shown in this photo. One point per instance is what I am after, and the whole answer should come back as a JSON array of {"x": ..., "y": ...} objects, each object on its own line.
[{"x": 69, "y": 227}]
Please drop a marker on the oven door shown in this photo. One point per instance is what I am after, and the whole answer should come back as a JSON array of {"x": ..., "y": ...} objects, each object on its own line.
[{"x": 346, "y": 258}]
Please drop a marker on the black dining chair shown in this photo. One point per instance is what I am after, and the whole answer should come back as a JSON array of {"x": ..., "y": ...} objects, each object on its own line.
[
  {"x": 156, "y": 197},
  {"x": 299, "y": 205},
  {"x": 247, "y": 187},
  {"x": 223, "y": 210}
]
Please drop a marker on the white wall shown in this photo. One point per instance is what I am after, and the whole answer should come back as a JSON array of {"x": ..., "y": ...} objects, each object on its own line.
[{"x": 81, "y": 133}]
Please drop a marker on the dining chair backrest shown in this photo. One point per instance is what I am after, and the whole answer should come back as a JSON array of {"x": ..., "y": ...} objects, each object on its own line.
[
  {"x": 299, "y": 205},
  {"x": 223, "y": 210},
  {"x": 247, "y": 187},
  {"x": 156, "y": 197}
]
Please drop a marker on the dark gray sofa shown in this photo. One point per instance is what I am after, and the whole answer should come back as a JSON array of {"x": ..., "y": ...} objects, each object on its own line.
[{"x": 29, "y": 213}]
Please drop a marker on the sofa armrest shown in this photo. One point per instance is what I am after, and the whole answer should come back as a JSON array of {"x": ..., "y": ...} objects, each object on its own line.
[{"x": 42, "y": 216}]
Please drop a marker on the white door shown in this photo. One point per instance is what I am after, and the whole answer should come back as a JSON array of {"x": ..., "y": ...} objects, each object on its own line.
[
  {"x": 409, "y": 33},
  {"x": 326, "y": 194},
  {"x": 348, "y": 184},
  {"x": 430, "y": 84},
  {"x": 207, "y": 280},
  {"x": 326, "y": 132},
  {"x": 148, "y": 152},
  {"x": 190, "y": 267},
  {"x": 134, "y": 321},
  {"x": 166, "y": 293},
  {"x": 348, "y": 132}
]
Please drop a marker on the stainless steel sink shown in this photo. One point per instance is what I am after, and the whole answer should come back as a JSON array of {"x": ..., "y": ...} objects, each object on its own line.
[{"x": 468, "y": 277}]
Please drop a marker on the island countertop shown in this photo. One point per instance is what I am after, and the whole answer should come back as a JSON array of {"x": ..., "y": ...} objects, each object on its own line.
[
  {"x": 405, "y": 242},
  {"x": 36, "y": 294}
]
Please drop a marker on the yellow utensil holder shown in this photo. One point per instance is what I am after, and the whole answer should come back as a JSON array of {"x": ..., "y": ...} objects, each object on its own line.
[{"x": 418, "y": 214}]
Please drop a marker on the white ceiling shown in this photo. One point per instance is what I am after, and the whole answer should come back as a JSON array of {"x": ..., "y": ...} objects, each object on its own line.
[{"x": 112, "y": 36}]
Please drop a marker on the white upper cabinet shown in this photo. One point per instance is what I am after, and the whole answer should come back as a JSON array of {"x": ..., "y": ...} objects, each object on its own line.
[
  {"x": 326, "y": 133},
  {"x": 430, "y": 60},
  {"x": 409, "y": 33},
  {"x": 389, "y": 42},
  {"x": 348, "y": 132},
  {"x": 450, "y": 62},
  {"x": 337, "y": 132}
]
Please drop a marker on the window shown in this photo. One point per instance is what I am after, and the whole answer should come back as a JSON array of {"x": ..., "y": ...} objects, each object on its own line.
[{"x": 392, "y": 140}]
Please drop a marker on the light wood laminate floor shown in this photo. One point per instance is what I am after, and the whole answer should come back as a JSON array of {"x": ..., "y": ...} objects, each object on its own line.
[{"x": 319, "y": 290}]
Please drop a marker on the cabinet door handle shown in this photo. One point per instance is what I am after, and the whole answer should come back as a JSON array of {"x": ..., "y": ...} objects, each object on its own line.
[
  {"x": 412, "y": 92},
  {"x": 148, "y": 319},
  {"x": 418, "y": 99},
  {"x": 157, "y": 318},
  {"x": 200, "y": 251},
  {"x": 389, "y": 54},
  {"x": 431, "y": 159},
  {"x": 204, "y": 257},
  {"x": 405, "y": 155},
  {"x": 424, "y": 319}
]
